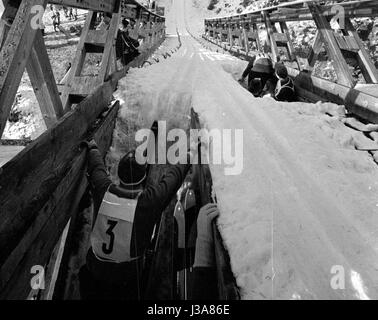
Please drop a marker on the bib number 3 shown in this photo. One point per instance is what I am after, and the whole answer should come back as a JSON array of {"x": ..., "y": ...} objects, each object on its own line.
[{"x": 108, "y": 248}]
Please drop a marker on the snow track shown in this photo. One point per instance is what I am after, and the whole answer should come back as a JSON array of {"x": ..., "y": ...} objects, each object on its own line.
[{"x": 305, "y": 208}]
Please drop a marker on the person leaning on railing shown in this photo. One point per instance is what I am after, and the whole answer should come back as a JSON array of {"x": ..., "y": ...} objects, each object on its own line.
[
  {"x": 259, "y": 71},
  {"x": 125, "y": 215}
]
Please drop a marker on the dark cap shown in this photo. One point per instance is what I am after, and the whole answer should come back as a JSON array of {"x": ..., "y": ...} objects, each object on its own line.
[
  {"x": 263, "y": 65},
  {"x": 130, "y": 172},
  {"x": 281, "y": 71}
]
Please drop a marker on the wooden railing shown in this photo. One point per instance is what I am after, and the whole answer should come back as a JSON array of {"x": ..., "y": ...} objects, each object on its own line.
[
  {"x": 240, "y": 35},
  {"x": 42, "y": 188}
]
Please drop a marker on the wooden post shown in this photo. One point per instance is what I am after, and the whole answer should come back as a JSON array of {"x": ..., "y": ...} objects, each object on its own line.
[
  {"x": 290, "y": 46},
  {"x": 77, "y": 64},
  {"x": 258, "y": 43},
  {"x": 109, "y": 48},
  {"x": 229, "y": 32},
  {"x": 270, "y": 29},
  {"x": 344, "y": 75},
  {"x": 315, "y": 50},
  {"x": 368, "y": 68},
  {"x": 43, "y": 82},
  {"x": 14, "y": 56},
  {"x": 245, "y": 36}
]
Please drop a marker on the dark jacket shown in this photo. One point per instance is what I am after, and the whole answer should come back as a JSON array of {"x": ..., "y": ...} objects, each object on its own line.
[
  {"x": 151, "y": 202},
  {"x": 259, "y": 87},
  {"x": 204, "y": 284},
  {"x": 125, "y": 45},
  {"x": 285, "y": 90}
]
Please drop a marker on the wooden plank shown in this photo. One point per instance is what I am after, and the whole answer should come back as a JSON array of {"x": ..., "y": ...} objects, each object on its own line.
[
  {"x": 96, "y": 37},
  {"x": 280, "y": 37},
  {"x": 289, "y": 43},
  {"x": 91, "y": 5},
  {"x": 271, "y": 30},
  {"x": 6, "y": 20},
  {"x": 43, "y": 82},
  {"x": 245, "y": 38},
  {"x": 103, "y": 137},
  {"x": 109, "y": 47},
  {"x": 315, "y": 50},
  {"x": 7, "y": 153},
  {"x": 15, "y": 273},
  {"x": 77, "y": 64},
  {"x": 16, "y": 269},
  {"x": 84, "y": 85},
  {"x": 357, "y": 102},
  {"x": 14, "y": 56},
  {"x": 52, "y": 268},
  {"x": 74, "y": 255},
  {"x": 346, "y": 43},
  {"x": 368, "y": 68},
  {"x": 27, "y": 180}
]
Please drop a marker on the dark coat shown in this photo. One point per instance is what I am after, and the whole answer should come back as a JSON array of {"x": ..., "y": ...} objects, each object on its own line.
[
  {"x": 285, "y": 90},
  {"x": 264, "y": 72}
]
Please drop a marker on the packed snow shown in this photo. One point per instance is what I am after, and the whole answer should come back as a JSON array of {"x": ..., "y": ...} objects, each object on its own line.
[{"x": 305, "y": 207}]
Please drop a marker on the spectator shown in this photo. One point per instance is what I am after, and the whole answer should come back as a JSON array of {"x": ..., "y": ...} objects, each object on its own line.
[
  {"x": 72, "y": 16},
  {"x": 56, "y": 20},
  {"x": 126, "y": 46},
  {"x": 65, "y": 10},
  {"x": 285, "y": 90},
  {"x": 259, "y": 71}
]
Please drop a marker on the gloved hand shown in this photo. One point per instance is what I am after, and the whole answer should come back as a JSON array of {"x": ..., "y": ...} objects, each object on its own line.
[
  {"x": 241, "y": 79},
  {"x": 88, "y": 145},
  {"x": 204, "y": 256}
]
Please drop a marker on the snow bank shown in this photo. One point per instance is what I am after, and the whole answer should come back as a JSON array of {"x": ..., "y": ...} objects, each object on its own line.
[{"x": 306, "y": 199}]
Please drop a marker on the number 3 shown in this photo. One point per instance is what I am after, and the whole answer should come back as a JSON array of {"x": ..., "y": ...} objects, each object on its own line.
[{"x": 109, "y": 232}]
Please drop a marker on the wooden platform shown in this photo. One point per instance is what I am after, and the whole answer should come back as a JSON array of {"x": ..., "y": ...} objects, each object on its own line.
[{"x": 8, "y": 152}]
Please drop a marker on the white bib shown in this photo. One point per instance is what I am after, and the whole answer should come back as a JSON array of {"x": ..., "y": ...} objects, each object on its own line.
[{"x": 111, "y": 235}]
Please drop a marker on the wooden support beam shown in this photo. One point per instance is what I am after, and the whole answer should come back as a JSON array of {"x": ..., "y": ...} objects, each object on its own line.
[
  {"x": 289, "y": 43},
  {"x": 367, "y": 66},
  {"x": 258, "y": 43},
  {"x": 91, "y": 5},
  {"x": 245, "y": 37},
  {"x": 6, "y": 20},
  {"x": 344, "y": 75},
  {"x": 14, "y": 56},
  {"x": 43, "y": 82},
  {"x": 229, "y": 37},
  {"x": 77, "y": 64},
  {"x": 106, "y": 61},
  {"x": 315, "y": 50},
  {"x": 27, "y": 182},
  {"x": 271, "y": 30}
]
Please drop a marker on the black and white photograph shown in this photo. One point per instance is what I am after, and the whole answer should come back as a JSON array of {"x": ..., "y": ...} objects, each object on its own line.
[{"x": 188, "y": 156}]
